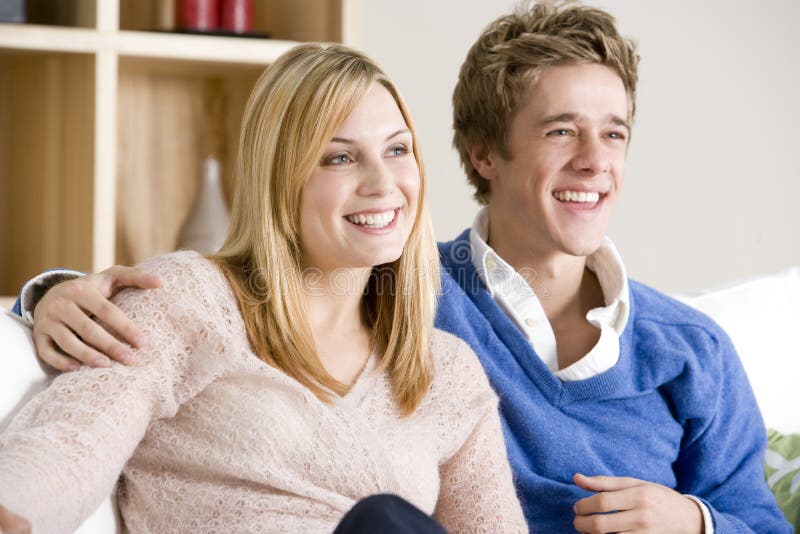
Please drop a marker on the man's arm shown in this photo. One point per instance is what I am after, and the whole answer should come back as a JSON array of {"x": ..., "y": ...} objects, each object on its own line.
[
  {"x": 74, "y": 321},
  {"x": 721, "y": 464},
  {"x": 35, "y": 288},
  {"x": 722, "y": 459}
]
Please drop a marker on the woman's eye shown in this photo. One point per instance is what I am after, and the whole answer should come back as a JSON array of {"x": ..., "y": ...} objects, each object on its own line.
[
  {"x": 399, "y": 150},
  {"x": 338, "y": 159},
  {"x": 617, "y": 135}
]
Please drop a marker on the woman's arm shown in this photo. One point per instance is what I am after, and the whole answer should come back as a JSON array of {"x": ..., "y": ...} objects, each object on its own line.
[
  {"x": 63, "y": 453},
  {"x": 477, "y": 492}
]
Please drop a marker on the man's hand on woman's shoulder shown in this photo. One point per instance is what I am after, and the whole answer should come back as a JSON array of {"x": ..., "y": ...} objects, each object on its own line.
[
  {"x": 11, "y": 523},
  {"x": 68, "y": 321}
]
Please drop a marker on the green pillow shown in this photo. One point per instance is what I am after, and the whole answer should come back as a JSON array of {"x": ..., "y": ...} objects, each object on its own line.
[{"x": 783, "y": 473}]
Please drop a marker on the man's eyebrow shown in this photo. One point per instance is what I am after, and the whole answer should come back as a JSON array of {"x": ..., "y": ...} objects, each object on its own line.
[
  {"x": 573, "y": 117},
  {"x": 392, "y": 135},
  {"x": 619, "y": 121},
  {"x": 561, "y": 117}
]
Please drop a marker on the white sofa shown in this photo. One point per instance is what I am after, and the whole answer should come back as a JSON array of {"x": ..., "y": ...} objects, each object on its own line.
[
  {"x": 762, "y": 316},
  {"x": 21, "y": 378}
]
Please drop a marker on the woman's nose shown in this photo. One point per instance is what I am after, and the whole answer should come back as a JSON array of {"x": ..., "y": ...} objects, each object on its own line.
[{"x": 377, "y": 179}]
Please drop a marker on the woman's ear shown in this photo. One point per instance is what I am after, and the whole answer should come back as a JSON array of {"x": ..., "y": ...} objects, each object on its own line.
[{"x": 484, "y": 160}]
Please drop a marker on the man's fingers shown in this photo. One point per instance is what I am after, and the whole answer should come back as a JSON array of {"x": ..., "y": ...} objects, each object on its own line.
[
  {"x": 608, "y": 501},
  {"x": 603, "y": 483},
  {"x": 602, "y": 523},
  {"x": 68, "y": 342},
  {"x": 93, "y": 334},
  {"x": 49, "y": 353},
  {"x": 11, "y": 523},
  {"x": 122, "y": 277},
  {"x": 116, "y": 320}
]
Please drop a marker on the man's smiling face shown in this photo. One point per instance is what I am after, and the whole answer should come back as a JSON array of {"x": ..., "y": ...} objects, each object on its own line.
[{"x": 568, "y": 143}]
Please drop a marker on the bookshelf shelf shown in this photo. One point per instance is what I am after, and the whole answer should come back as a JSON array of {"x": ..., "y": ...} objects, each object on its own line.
[{"x": 104, "y": 124}]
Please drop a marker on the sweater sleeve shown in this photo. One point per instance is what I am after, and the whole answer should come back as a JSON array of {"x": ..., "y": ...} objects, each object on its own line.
[
  {"x": 722, "y": 459},
  {"x": 477, "y": 491},
  {"x": 62, "y": 454}
]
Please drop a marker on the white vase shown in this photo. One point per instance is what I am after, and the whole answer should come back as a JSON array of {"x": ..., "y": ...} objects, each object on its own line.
[{"x": 206, "y": 226}]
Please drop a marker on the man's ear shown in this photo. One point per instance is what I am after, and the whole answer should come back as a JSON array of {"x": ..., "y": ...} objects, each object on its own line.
[{"x": 484, "y": 160}]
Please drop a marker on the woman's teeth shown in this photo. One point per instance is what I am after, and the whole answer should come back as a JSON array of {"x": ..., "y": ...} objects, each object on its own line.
[
  {"x": 373, "y": 220},
  {"x": 576, "y": 196}
]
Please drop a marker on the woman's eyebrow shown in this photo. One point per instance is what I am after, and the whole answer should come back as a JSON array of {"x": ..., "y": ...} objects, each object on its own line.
[{"x": 346, "y": 141}]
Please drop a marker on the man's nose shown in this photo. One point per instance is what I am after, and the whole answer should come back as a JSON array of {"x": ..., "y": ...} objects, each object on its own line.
[{"x": 591, "y": 156}]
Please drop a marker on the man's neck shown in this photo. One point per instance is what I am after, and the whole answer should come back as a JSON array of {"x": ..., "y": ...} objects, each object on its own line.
[
  {"x": 559, "y": 280},
  {"x": 565, "y": 287}
]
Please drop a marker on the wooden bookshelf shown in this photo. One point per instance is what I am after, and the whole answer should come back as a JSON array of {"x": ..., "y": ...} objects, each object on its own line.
[{"x": 103, "y": 124}]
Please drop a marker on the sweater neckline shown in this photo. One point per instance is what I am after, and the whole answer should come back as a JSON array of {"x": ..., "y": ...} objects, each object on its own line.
[
  {"x": 362, "y": 385},
  {"x": 609, "y": 384}
]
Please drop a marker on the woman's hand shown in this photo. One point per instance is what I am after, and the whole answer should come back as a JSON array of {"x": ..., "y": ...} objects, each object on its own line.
[
  {"x": 11, "y": 523},
  {"x": 66, "y": 329}
]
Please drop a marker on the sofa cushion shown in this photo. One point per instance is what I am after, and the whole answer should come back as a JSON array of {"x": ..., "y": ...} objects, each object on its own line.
[
  {"x": 783, "y": 473},
  {"x": 22, "y": 377},
  {"x": 762, "y": 318}
]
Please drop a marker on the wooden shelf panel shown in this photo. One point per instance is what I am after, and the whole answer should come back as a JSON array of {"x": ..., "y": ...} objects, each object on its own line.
[
  {"x": 168, "y": 122},
  {"x": 166, "y": 46},
  {"x": 46, "y": 164},
  {"x": 72, "y": 13},
  {"x": 293, "y": 20},
  {"x": 49, "y": 38},
  {"x": 185, "y": 47}
]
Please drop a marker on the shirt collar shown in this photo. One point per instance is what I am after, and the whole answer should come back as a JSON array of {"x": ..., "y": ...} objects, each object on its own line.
[{"x": 605, "y": 262}]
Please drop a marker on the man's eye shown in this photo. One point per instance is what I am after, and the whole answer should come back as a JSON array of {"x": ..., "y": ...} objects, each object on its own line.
[{"x": 559, "y": 132}]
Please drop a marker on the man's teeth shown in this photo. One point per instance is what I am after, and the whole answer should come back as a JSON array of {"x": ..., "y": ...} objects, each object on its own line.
[
  {"x": 577, "y": 196},
  {"x": 373, "y": 220}
]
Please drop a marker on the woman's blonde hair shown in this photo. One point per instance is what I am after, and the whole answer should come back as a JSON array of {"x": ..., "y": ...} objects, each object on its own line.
[{"x": 295, "y": 109}]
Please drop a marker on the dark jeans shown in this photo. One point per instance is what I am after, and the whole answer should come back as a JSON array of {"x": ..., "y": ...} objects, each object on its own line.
[{"x": 387, "y": 514}]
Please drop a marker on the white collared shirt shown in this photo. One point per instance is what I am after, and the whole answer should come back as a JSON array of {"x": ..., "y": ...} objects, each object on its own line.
[{"x": 514, "y": 295}]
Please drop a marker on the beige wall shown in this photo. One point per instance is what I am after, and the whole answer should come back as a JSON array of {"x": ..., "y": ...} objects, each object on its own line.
[{"x": 713, "y": 183}]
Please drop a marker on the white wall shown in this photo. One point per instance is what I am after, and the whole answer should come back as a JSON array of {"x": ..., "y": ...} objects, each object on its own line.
[{"x": 713, "y": 182}]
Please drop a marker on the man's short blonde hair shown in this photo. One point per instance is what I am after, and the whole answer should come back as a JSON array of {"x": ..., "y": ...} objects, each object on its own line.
[{"x": 504, "y": 62}]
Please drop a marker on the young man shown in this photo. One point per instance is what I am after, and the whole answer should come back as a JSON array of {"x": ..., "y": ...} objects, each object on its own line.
[{"x": 598, "y": 375}]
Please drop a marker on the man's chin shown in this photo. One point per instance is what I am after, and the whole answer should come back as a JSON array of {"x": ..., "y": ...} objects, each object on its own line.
[{"x": 581, "y": 247}]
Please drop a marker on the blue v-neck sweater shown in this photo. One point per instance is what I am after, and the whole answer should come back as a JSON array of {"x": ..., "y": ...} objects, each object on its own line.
[{"x": 676, "y": 409}]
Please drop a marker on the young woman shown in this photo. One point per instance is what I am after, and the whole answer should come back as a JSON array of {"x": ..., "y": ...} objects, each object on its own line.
[{"x": 296, "y": 371}]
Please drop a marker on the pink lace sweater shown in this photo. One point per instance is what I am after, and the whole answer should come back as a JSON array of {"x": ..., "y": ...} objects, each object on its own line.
[{"x": 208, "y": 438}]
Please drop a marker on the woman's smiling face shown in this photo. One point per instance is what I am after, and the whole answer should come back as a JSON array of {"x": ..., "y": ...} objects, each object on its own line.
[{"x": 359, "y": 205}]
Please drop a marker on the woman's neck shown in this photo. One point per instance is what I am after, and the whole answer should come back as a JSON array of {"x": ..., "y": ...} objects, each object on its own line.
[{"x": 334, "y": 302}]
